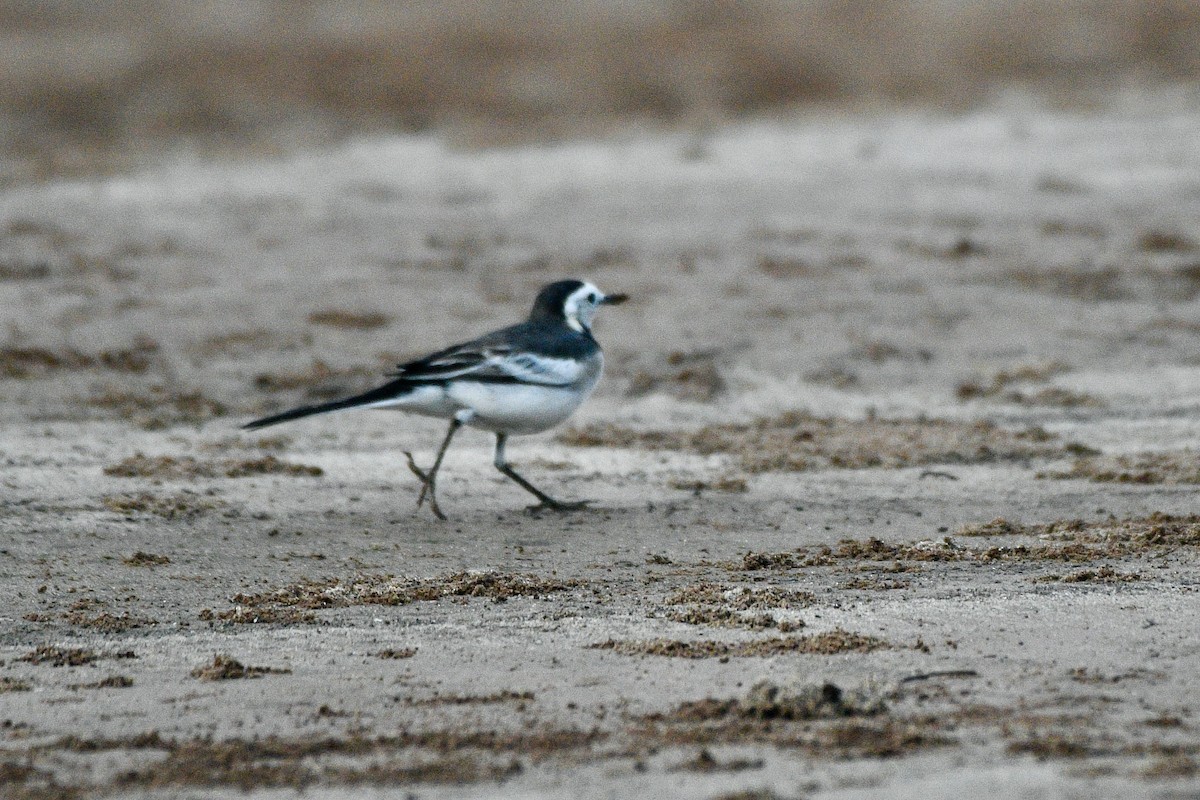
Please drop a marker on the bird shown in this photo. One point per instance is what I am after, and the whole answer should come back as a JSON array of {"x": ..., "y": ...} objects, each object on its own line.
[{"x": 515, "y": 381}]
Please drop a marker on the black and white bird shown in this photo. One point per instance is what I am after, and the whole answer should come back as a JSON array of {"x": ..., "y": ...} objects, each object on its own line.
[{"x": 519, "y": 380}]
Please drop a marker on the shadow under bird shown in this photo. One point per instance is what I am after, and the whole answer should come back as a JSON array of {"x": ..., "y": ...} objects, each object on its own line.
[{"x": 518, "y": 380}]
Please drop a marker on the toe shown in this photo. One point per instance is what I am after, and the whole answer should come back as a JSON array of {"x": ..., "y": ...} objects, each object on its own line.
[{"x": 555, "y": 505}]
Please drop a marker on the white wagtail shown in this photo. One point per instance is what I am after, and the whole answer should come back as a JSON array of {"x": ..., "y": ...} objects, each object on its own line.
[{"x": 523, "y": 379}]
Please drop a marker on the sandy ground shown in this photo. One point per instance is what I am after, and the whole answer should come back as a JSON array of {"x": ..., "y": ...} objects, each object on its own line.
[{"x": 891, "y": 470}]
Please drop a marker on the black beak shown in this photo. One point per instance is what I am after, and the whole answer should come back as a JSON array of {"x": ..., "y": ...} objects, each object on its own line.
[{"x": 614, "y": 299}]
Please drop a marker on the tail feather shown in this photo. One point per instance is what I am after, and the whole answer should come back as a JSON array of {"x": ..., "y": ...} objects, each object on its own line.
[{"x": 388, "y": 391}]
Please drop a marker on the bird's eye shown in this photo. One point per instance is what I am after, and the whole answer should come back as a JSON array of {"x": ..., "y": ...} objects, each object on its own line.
[{"x": 592, "y": 298}]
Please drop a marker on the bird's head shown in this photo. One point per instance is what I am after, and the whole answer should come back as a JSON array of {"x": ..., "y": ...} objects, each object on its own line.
[{"x": 573, "y": 302}]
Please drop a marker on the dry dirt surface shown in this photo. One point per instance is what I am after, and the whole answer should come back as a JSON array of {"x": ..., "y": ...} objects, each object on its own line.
[{"x": 893, "y": 472}]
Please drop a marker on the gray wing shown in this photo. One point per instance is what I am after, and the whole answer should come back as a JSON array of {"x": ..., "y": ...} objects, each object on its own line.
[{"x": 491, "y": 362}]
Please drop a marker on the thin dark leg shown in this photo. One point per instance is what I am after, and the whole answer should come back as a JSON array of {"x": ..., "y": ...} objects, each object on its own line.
[
  {"x": 429, "y": 479},
  {"x": 546, "y": 500}
]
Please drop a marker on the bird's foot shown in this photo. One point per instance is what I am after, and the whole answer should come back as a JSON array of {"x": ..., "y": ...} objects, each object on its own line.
[
  {"x": 428, "y": 486},
  {"x": 550, "y": 504},
  {"x": 422, "y": 476}
]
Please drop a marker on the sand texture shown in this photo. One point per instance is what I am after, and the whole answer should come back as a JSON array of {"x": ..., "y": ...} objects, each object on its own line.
[{"x": 893, "y": 469}]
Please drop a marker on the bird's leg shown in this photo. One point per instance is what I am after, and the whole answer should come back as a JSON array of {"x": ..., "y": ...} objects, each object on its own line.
[
  {"x": 429, "y": 479},
  {"x": 546, "y": 500}
]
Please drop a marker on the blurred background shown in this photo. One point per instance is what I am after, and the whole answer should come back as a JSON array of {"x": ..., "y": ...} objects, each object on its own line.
[{"x": 96, "y": 86}]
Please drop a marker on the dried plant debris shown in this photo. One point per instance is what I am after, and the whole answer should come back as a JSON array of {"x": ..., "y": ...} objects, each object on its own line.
[
  {"x": 742, "y": 598},
  {"x": 259, "y": 615},
  {"x": 707, "y": 762},
  {"x": 225, "y": 668},
  {"x": 1090, "y": 285},
  {"x": 750, "y": 794},
  {"x": 834, "y": 375},
  {"x": 1181, "y": 467},
  {"x": 997, "y": 527},
  {"x": 1091, "y": 676},
  {"x": 1160, "y": 241},
  {"x": 352, "y": 320},
  {"x": 189, "y": 467},
  {"x": 1164, "y": 721},
  {"x": 1119, "y": 536},
  {"x": 1054, "y": 396},
  {"x": 55, "y": 656},
  {"x": 29, "y": 362},
  {"x": 962, "y": 247},
  {"x": 237, "y": 342},
  {"x": 821, "y": 719},
  {"x": 1044, "y": 746},
  {"x": 1103, "y": 574},
  {"x": 1000, "y": 386},
  {"x": 724, "y": 606},
  {"x": 13, "y": 685},
  {"x": 111, "y": 682},
  {"x": 105, "y": 622},
  {"x": 728, "y": 618},
  {"x": 268, "y": 465},
  {"x": 863, "y": 583},
  {"x": 1172, "y": 767},
  {"x": 158, "y": 407},
  {"x": 1044, "y": 737},
  {"x": 805, "y": 701},
  {"x": 1075, "y": 541},
  {"x": 285, "y": 605},
  {"x": 60, "y": 656},
  {"x": 502, "y": 696},
  {"x": 394, "y": 653},
  {"x": 726, "y": 484},
  {"x": 19, "y": 269},
  {"x": 828, "y": 643},
  {"x": 1062, "y": 227},
  {"x": 143, "y": 559},
  {"x": 798, "y": 441},
  {"x": 1174, "y": 283},
  {"x": 686, "y": 376},
  {"x": 161, "y": 467},
  {"x": 448, "y": 770},
  {"x": 183, "y": 505},
  {"x": 877, "y": 351},
  {"x": 277, "y": 442},
  {"x": 1025, "y": 373},
  {"x": 33, "y": 362},
  {"x": 20, "y": 780},
  {"x": 786, "y": 267},
  {"x": 458, "y": 757}
]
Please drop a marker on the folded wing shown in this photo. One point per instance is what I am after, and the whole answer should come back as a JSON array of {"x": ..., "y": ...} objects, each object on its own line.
[{"x": 491, "y": 364}]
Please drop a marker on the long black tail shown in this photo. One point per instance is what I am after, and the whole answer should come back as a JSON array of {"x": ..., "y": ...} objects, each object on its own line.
[{"x": 388, "y": 391}]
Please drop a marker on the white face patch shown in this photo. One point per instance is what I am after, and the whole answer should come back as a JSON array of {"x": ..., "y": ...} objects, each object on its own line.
[{"x": 580, "y": 306}]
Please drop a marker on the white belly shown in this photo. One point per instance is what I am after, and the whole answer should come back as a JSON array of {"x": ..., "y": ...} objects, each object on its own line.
[
  {"x": 516, "y": 408},
  {"x": 511, "y": 408}
]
